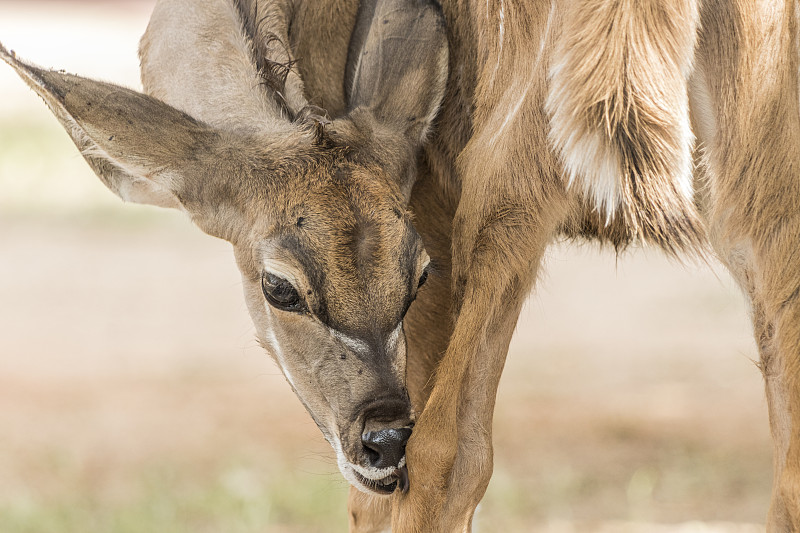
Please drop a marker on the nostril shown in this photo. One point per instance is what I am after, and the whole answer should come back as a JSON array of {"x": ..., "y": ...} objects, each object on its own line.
[
  {"x": 373, "y": 455},
  {"x": 385, "y": 447}
]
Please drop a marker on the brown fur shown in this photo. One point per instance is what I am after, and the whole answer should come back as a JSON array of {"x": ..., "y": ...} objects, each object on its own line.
[
  {"x": 749, "y": 123},
  {"x": 315, "y": 204},
  {"x": 530, "y": 84}
]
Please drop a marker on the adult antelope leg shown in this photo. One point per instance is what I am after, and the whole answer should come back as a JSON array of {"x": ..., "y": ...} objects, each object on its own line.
[
  {"x": 510, "y": 208},
  {"x": 745, "y": 107},
  {"x": 511, "y": 204},
  {"x": 427, "y": 326},
  {"x": 450, "y": 454},
  {"x": 775, "y": 326}
]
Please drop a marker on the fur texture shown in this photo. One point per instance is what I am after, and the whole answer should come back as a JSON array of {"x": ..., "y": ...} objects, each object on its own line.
[
  {"x": 502, "y": 176},
  {"x": 619, "y": 113},
  {"x": 316, "y": 208}
]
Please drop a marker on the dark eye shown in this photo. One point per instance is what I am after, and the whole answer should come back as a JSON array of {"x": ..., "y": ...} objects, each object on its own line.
[
  {"x": 423, "y": 278},
  {"x": 280, "y": 293}
]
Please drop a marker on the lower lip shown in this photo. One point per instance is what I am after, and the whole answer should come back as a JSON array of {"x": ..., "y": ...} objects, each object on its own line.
[{"x": 378, "y": 486}]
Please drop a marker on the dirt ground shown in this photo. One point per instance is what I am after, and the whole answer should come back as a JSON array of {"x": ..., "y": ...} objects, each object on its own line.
[{"x": 133, "y": 396}]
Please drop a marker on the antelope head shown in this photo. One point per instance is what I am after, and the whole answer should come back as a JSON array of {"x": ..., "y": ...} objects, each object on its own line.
[{"x": 315, "y": 207}]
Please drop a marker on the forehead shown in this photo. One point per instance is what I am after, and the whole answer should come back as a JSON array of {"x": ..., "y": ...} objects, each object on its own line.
[{"x": 356, "y": 248}]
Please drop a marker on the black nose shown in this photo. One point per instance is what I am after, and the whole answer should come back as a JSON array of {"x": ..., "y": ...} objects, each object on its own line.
[{"x": 385, "y": 447}]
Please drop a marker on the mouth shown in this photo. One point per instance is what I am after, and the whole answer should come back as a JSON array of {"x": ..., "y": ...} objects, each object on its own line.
[
  {"x": 382, "y": 482},
  {"x": 385, "y": 486}
]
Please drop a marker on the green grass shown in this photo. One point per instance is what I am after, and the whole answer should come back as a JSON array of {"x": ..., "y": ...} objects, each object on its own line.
[{"x": 237, "y": 499}]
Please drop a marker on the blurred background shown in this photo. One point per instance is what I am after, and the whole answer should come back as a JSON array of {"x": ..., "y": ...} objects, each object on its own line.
[{"x": 133, "y": 396}]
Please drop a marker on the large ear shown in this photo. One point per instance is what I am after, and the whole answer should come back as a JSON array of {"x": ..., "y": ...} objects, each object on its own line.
[
  {"x": 137, "y": 145},
  {"x": 224, "y": 62},
  {"x": 397, "y": 67}
]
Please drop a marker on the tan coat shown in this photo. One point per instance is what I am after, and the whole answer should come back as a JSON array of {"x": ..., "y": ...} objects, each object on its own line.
[{"x": 352, "y": 155}]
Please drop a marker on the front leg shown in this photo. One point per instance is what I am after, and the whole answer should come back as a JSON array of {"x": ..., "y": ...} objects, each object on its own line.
[
  {"x": 500, "y": 233},
  {"x": 450, "y": 454},
  {"x": 511, "y": 204}
]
